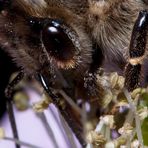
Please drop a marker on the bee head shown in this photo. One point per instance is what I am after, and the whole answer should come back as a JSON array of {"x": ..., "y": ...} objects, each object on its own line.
[
  {"x": 41, "y": 33},
  {"x": 62, "y": 43}
]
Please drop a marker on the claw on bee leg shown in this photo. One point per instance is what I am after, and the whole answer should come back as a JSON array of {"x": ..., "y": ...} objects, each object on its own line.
[
  {"x": 11, "y": 85},
  {"x": 133, "y": 71},
  {"x": 65, "y": 112}
]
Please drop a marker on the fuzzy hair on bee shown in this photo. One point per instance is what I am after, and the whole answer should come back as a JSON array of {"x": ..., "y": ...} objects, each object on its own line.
[
  {"x": 72, "y": 39},
  {"x": 106, "y": 25}
]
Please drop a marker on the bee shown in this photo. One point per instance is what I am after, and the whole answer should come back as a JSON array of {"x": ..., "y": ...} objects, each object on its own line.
[{"x": 55, "y": 40}]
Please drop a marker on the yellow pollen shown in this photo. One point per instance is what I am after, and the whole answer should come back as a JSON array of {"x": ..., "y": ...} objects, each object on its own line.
[{"x": 136, "y": 61}]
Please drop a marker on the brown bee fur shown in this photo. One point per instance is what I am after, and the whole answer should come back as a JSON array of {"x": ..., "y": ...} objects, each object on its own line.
[
  {"x": 113, "y": 22},
  {"x": 108, "y": 23},
  {"x": 100, "y": 31},
  {"x": 24, "y": 55}
]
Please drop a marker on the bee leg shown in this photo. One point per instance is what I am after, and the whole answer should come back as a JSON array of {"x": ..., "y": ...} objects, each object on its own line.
[
  {"x": 8, "y": 93},
  {"x": 90, "y": 79},
  {"x": 11, "y": 85},
  {"x": 133, "y": 70},
  {"x": 90, "y": 84},
  {"x": 65, "y": 112}
]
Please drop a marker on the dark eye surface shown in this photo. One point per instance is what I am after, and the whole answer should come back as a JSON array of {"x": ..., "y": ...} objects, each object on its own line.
[
  {"x": 57, "y": 42},
  {"x": 4, "y": 4}
]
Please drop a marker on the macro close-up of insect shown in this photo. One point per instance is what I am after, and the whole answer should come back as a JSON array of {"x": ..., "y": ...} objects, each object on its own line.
[{"x": 63, "y": 45}]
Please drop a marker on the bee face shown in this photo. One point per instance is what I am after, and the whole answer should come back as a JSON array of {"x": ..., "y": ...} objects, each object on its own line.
[
  {"x": 49, "y": 35},
  {"x": 62, "y": 34},
  {"x": 71, "y": 39},
  {"x": 68, "y": 35}
]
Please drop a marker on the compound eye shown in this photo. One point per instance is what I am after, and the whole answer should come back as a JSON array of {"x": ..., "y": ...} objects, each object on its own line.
[{"x": 57, "y": 42}]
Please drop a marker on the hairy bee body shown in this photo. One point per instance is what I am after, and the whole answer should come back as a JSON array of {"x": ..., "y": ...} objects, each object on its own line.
[
  {"x": 99, "y": 29},
  {"x": 112, "y": 27},
  {"x": 63, "y": 43}
]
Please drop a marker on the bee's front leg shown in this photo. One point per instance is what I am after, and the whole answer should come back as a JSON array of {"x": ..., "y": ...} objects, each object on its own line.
[
  {"x": 94, "y": 90},
  {"x": 8, "y": 94},
  {"x": 11, "y": 85},
  {"x": 133, "y": 70},
  {"x": 65, "y": 111}
]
